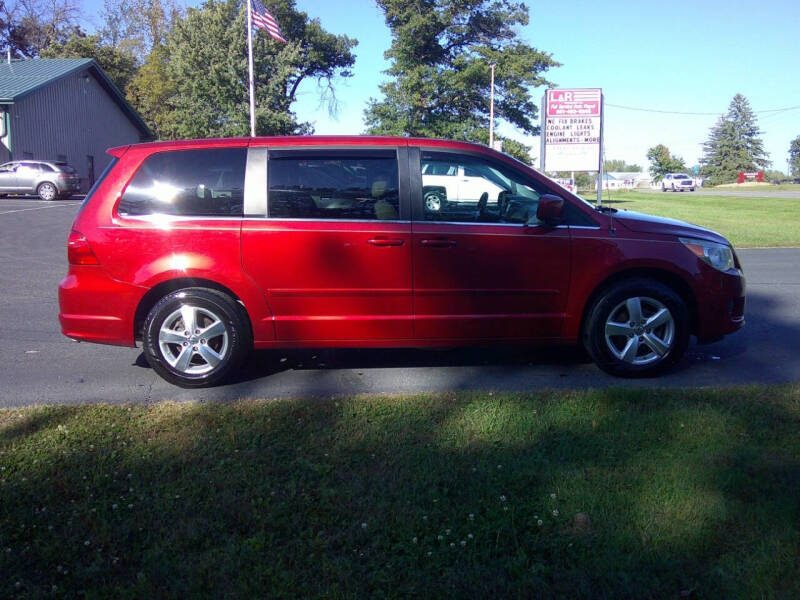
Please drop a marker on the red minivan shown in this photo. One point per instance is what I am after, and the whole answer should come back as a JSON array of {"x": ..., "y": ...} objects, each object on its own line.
[{"x": 201, "y": 250}]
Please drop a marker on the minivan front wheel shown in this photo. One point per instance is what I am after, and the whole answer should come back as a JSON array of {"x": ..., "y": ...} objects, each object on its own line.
[
  {"x": 637, "y": 328},
  {"x": 195, "y": 337}
]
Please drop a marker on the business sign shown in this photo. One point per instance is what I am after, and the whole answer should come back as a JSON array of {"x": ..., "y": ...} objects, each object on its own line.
[{"x": 572, "y": 129}]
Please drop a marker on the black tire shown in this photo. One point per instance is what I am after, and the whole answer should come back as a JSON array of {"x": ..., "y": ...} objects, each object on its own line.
[
  {"x": 229, "y": 348},
  {"x": 663, "y": 188},
  {"x": 613, "y": 302},
  {"x": 433, "y": 201},
  {"x": 47, "y": 191}
]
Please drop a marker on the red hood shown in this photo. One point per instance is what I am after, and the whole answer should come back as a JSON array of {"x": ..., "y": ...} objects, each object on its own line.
[{"x": 661, "y": 225}]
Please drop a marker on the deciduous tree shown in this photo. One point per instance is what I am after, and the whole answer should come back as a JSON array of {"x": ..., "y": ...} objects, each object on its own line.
[
  {"x": 439, "y": 82},
  {"x": 734, "y": 144},
  {"x": 207, "y": 63},
  {"x": 30, "y": 26},
  {"x": 119, "y": 66},
  {"x": 151, "y": 91},
  {"x": 620, "y": 166},
  {"x": 662, "y": 162},
  {"x": 137, "y": 26}
]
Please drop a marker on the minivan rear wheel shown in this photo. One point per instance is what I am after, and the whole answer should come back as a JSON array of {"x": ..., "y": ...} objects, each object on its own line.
[
  {"x": 637, "y": 328},
  {"x": 47, "y": 191},
  {"x": 195, "y": 337}
]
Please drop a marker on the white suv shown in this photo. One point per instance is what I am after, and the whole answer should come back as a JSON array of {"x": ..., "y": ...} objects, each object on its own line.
[
  {"x": 444, "y": 182},
  {"x": 677, "y": 182}
]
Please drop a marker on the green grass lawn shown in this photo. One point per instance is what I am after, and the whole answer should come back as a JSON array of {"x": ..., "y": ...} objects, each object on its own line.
[
  {"x": 612, "y": 493},
  {"x": 746, "y": 222}
]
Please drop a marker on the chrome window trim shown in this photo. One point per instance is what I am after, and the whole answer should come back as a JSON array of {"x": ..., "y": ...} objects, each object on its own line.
[
  {"x": 255, "y": 183},
  {"x": 389, "y": 147},
  {"x": 471, "y": 223},
  {"x": 504, "y": 224},
  {"x": 159, "y": 218},
  {"x": 301, "y": 220}
]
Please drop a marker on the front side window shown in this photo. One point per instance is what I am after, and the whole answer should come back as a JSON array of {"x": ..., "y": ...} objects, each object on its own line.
[
  {"x": 333, "y": 185},
  {"x": 208, "y": 182},
  {"x": 484, "y": 191}
]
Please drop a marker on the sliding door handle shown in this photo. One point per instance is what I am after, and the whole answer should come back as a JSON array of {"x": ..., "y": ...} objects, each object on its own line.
[
  {"x": 385, "y": 242},
  {"x": 439, "y": 243}
]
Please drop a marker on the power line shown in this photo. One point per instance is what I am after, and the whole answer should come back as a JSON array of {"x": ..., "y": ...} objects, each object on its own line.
[{"x": 712, "y": 114}]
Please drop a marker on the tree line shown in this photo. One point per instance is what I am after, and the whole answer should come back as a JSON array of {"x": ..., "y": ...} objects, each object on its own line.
[
  {"x": 185, "y": 71},
  {"x": 734, "y": 146}
]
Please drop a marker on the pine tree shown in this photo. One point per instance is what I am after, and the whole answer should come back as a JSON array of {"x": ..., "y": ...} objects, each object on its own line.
[
  {"x": 734, "y": 144},
  {"x": 794, "y": 157}
]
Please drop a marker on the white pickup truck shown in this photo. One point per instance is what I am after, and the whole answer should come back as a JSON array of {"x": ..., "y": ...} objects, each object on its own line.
[
  {"x": 446, "y": 182},
  {"x": 677, "y": 182}
]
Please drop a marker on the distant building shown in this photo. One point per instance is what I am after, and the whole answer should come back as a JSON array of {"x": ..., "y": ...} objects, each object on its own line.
[
  {"x": 626, "y": 180},
  {"x": 64, "y": 109}
]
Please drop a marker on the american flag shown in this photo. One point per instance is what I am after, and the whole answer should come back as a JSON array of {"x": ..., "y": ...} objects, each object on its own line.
[{"x": 263, "y": 20}]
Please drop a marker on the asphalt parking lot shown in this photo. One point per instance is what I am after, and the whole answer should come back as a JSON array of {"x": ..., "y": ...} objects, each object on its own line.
[{"x": 39, "y": 365}]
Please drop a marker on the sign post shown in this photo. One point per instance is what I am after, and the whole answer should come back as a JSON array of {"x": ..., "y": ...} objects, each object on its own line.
[{"x": 572, "y": 132}]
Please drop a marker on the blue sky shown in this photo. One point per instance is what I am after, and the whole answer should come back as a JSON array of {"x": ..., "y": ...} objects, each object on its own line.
[{"x": 681, "y": 56}]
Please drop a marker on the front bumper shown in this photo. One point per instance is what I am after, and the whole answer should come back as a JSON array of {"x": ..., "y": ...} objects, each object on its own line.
[
  {"x": 96, "y": 308},
  {"x": 721, "y": 306}
]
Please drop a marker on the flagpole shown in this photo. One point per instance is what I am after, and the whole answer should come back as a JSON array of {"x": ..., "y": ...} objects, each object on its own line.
[{"x": 250, "y": 70}]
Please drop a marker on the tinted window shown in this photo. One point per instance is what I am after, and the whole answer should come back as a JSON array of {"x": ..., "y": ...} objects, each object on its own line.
[
  {"x": 488, "y": 193},
  {"x": 188, "y": 182},
  {"x": 333, "y": 186},
  {"x": 47, "y": 168}
]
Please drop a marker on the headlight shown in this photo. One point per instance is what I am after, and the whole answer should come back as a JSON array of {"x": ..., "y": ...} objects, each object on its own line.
[{"x": 719, "y": 256}]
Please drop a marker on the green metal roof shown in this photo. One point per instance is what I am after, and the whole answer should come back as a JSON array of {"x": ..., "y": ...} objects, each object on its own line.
[{"x": 23, "y": 77}]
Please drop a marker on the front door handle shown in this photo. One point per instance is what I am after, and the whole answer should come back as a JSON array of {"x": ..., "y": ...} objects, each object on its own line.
[
  {"x": 439, "y": 243},
  {"x": 385, "y": 242}
]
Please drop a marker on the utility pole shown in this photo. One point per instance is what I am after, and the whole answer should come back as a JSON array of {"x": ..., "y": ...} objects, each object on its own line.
[{"x": 491, "y": 109}]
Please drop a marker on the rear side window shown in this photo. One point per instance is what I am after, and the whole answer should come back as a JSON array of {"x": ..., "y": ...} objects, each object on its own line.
[
  {"x": 334, "y": 185},
  {"x": 197, "y": 183}
]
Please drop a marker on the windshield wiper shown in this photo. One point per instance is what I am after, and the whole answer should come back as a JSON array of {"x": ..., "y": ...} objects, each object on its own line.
[{"x": 605, "y": 209}]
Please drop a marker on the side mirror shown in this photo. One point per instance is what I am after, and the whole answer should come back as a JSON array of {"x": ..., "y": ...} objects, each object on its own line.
[{"x": 551, "y": 209}]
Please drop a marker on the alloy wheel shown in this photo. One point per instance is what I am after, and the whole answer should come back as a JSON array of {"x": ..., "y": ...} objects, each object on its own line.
[
  {"x": 640, "y": 331},
  {"x": 433, "y": 202},
  {"x": 193, "y": 340},
  {"x": 47, "y": 191}
]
